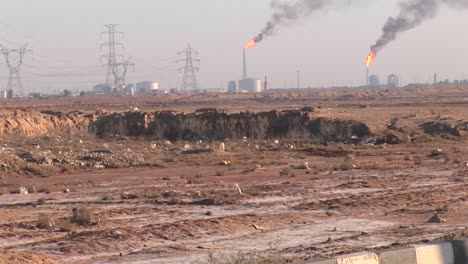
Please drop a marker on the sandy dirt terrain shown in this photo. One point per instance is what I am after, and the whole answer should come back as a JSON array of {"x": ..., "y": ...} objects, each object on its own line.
[{"x": 79, "y": 185}]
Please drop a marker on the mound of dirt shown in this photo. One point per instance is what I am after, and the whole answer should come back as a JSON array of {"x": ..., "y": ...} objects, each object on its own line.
[
  {"x": 35, "y": 124},
  {"x": 214, "y": 125},
  {"x": 437, "y": 128}
]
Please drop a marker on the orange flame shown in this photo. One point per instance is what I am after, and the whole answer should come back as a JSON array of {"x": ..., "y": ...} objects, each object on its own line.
[
  {"x": 370, "y": 58},
  {"x": 251, "y": 44}
]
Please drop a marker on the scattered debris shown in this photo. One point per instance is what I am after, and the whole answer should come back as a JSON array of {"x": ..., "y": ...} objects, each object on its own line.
[
  {"x": 23, "y": 190},
  {"x": 436, "y": 152},
  {"x": 239, "y": 190},
  {"x": 225, "y": 163},
  {"x": 304, "y": 166},
  {"x": 436, "y": 219},
  {"x": 187, "y": 147},
  {"x": 128, "y": 196},
  {"x": 257, "y": 227}
]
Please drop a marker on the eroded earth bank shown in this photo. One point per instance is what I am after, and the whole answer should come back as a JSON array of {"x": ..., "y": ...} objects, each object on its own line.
[{"x": 323, "y": 174}]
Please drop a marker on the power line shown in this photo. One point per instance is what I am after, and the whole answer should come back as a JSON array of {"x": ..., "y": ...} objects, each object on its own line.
[{"x": 189, "y": 79}]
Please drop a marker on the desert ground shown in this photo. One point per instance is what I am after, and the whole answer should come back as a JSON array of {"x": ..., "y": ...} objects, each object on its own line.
[{"x": 291, "y": 176}]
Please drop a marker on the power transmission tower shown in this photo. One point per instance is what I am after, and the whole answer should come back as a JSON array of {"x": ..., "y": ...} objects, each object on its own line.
[
  {"x": 116, "y": 71},
  {"x": 189, "y": 79},
  {"x": 15, "y": 84},
  {"x": 119, "y": 76}
]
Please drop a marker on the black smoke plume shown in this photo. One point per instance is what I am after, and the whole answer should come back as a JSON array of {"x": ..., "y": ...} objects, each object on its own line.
[
  {"x": 412, "y": 14},
  {"x": 286, "y": 13}
]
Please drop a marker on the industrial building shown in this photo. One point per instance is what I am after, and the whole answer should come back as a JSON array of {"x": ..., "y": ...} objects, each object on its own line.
[
  {"x": 232, "y": 87},
  {"x": 247, "y": 84},
  {"x": 374, "y": 81},
  {"x": 141, "y": 88},
  {"x": 102, "y": 89},
  {"x": 393, "y": 81},
  {"x": 266, "y": 85},
  {"x": 147, "y": 87}
]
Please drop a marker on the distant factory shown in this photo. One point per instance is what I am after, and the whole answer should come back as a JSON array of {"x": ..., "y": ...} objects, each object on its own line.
[
  {"x": 393, "y": 81},
  {"x": 249, "y": 85},
  {"x": 141, "y": 88}
]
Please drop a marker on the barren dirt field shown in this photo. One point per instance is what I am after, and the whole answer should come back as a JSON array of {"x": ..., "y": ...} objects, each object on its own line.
[{"x": 301, "y": 176}]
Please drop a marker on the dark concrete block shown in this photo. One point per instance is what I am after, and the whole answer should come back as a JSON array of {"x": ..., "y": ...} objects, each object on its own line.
[
  {"x": 398, "y": 256},
  {"x": 460, "y": 251}
]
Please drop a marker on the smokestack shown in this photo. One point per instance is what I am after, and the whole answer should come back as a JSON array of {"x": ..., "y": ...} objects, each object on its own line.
[
  {"x": 367, "y": 76},
  {"x": 244, "y": 76},
  {"x": 298, "y": 79},
  {"x": 265, "y": 85}
]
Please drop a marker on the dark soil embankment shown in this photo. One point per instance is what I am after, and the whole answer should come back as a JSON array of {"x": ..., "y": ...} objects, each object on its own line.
[{"x": 214, "y": 125}]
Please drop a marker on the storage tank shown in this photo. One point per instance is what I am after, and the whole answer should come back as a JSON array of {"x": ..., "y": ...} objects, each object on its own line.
[
  {"x": 155, "y": 87},
  {"x": 147, "y": 87},
  {"x": 232, "y": 87},
  {"x": 101, "y": 89},
  {"x": 251, "y": 85}
]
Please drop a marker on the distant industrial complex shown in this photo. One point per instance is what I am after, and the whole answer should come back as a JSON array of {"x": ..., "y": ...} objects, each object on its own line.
[{"x": 118, "y": 66}]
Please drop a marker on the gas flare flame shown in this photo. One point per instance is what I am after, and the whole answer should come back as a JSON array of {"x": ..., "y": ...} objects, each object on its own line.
[
  {"x": 251, "y": 44},
  {"x": 370, "y": 58}
]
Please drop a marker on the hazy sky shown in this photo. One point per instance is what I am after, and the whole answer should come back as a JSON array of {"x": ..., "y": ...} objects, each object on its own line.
[{"x": 329, "y": 48}]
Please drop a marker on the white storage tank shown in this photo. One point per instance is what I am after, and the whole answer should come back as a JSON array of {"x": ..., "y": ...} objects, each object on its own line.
[
  {"x": 251, "y": 85},
  {"x": 147, "y": 87}
]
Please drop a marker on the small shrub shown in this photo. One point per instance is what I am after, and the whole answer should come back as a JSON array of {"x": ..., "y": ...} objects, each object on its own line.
[
  {"x": 249, "y": 169},
  {"x": 346, "y": 166},
  {"x": 128, "y": 196},
  {"x": 83, "y": 216},
  {"x": 15, "y": 191},
  {"x": 43, "y": 190},
  {"x": 64, "y": 225},
  {"x": 350, "y": 158},
  {"x": 286, "y": 172},
  {"x": 174, "y": 201},
  {"x": 193, "y": 180},
  {"x": 436, "y": 153},
  {"x": 32, "y": 189},
  {"x": 36, "y": 170},
  {"x": 220, "y": 173},
  {"x": 408, "y": 158},
  {"x": 65, "y": 168},
  {"x": 417, "y": 160},
  {"x": 349, "y": 163},
  {"x": 45, "y": 222}
]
